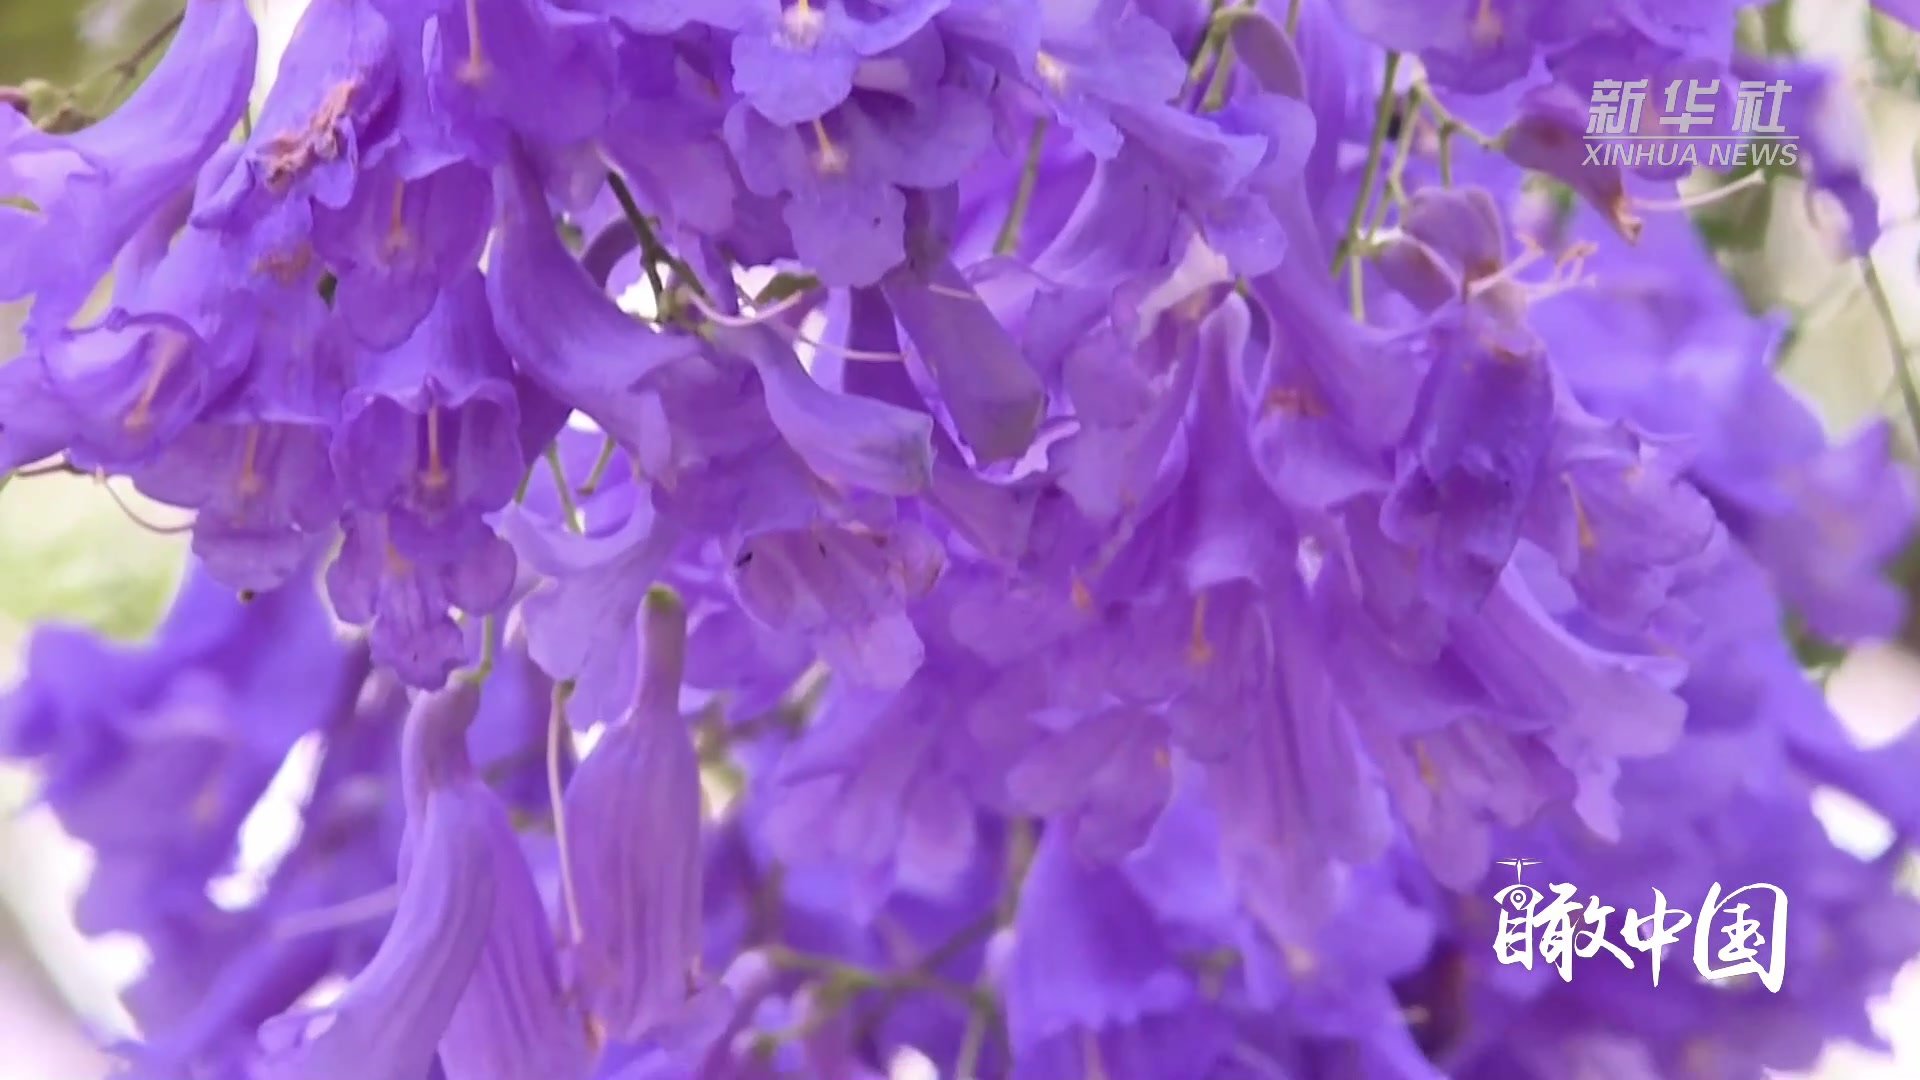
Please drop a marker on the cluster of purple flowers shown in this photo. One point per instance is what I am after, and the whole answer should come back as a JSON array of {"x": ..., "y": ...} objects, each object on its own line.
[{"x": 1003, "y": 600}]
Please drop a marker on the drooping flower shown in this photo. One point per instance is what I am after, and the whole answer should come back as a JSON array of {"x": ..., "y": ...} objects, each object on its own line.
[
  {"x": 634, "y": 815},
  {"x": 68, "y": 204}
]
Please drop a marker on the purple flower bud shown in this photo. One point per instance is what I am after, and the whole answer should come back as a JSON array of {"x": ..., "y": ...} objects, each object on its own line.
[
  {"x": 391, "y": 1017},
  {"x": 633, "y": 820}
]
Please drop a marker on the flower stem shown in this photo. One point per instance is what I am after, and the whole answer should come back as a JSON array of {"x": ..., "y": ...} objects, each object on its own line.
[
  {"x": 1009, "y": 239},
  {"x": 484, "y": 668},
  {"x": 560, "y": 485},
  {"x": 653, "y": 254},
  {"x": 1402, "y": 153},
  {"x": 1382, "y": 121},
  {"x": 1216, "y": 96},
  {"x": 1903, "y": 372},
  {"x": 600, "y": 464}
]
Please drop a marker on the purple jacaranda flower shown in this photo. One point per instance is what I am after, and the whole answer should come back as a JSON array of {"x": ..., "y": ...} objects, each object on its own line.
[
  {"x": 1271, "y": 612},
  {"x": 667, "y": 140},
  {"x": 793, "y": 62},
  {"x": 879, "y": 795},
  {"x": 389, "y": 1019},
  {"x": 1606, "y": 704},
  {"x": 846, "y": 590},
  {"x": 560, "y": 327},
  {"x": 1856, "y": 509},
  {"x": 633, "y": 815},
  {"x": 1627, "y": 528},
  {"x": 1476, "y": 452},
  {"x": 983, "y": 382},
  {"x": 845, "y": 176},
  {"x": 398, "y": 243},
  {"x": 169, "y": 345},
  {"x": 326, "y": 117},
  {"x": 847, "y": 440},
  {"x": 1097, "y": 57},
  {"x": 532, "y": 70},
  {"x": 1816, "y": 109},
  {"x": 1296, "y": 800},
  {"x": 1705, "y": 377},
  {"x": 1092, "y": 986},
  {"x": 214, "y": 978},
  {"x": 255, "y": 468},
  {"x": 193, "y": 723},
  {"x": 430, "y": 431},
  {"x": 407, "y": 599},
  {"x": 581, "y": 624},
  {"x": 1477, "y": 46},
  {"x": 1132, "y": 219},
  {"x": 1548, "y": 136},
  {"x": 68, "y": 204},
  {"x": 515, "y": 1020}
]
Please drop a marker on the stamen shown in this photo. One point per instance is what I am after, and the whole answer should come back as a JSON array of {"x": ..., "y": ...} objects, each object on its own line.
[
  {"x": 1293, "y": 401},
  {"x": 1090, "y": 1051},
  {"x": 1488, "y": 26},
  {"x": 397, "y": 564},
  {"x": 1530, "y": 254},
  {"x": 475, "y": 69},
  {"x": 801, "y": 26},
  {"x": 1572, "y": 262},
  {"x": 1082, "y": 596},
  {"x": 1301, "y": 962},
  {"x": 205, "y": 808},
  {"x": 435, "y": 477},
  {"x": 831, "y": 160},
  {"x": 1429, "y": 775},
  {"x": 360, "y": 909},
  {"x": 167, "y": 352},
  {"x": 952, "y": 293},
  {"x": 596, "y": 1033},
  {"x": 397, "y": 237},
  {"x": 287, "y": 264},
  {"x": 1582, "y": 525},
  {"x": 1705, "y": 198},
  {"x": 1051, "y": 71},
  {"x": 250, "y": 483},
  {"x": 1199, "y": 649}
]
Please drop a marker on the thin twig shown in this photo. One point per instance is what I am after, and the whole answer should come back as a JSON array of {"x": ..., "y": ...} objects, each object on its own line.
[
  {"x": 565, "y": 489},
  {"x": 1909, "y": 393},
  {"x": 1009, "y": 239},
  {"x": 600, "y": 464},
  {"x": 1382, "y": 120}
]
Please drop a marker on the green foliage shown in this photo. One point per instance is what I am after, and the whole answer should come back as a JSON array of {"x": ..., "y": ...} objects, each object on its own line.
[
  {"x": 40, "y": 40},
  {"x": 69, "y": 554}
]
